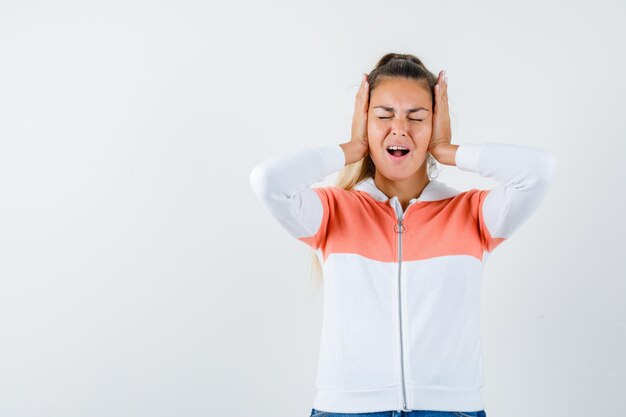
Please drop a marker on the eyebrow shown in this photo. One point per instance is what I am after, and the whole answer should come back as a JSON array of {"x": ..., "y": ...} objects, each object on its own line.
[{"x": 391, "y": 109}]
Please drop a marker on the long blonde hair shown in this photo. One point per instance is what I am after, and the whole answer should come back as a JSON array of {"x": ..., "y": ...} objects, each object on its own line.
[{"x": 390, "y": 65}]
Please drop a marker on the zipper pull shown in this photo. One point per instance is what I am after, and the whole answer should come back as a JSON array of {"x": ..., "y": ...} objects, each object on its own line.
[{"x": 399, "y": 227}]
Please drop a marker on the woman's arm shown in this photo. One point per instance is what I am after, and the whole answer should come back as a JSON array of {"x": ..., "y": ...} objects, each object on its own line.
[
  {"x": 283, "y": 184},
  {"x": 524, "y": 174}
]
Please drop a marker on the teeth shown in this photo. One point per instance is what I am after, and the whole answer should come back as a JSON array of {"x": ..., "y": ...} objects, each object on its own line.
[{"x": 397, "y": 147}]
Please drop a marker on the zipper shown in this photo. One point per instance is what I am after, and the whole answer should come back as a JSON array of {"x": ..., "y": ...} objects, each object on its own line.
[{"x": 399, "y": 228}]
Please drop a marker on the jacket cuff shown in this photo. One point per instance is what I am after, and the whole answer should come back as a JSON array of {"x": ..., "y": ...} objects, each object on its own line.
[
  {"x": 467, "y": 156},
  {"x": 333, "y": 157}
]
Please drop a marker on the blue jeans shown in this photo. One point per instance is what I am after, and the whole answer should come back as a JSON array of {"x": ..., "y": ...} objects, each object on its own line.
[{"x": 414, "y": 413}]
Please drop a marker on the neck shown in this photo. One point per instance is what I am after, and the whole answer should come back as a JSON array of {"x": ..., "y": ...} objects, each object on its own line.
[{"x": 405, "y": 189}]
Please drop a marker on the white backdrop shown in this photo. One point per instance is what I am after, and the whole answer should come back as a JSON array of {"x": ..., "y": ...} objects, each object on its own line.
[{"x": 139, "y": 276}]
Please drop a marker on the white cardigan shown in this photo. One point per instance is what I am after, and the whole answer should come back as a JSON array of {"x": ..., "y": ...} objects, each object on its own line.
[{"x": 401, "y": 324}]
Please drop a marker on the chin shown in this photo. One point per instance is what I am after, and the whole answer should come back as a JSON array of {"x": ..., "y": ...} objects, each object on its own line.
[{"x": 398, "y": 172}]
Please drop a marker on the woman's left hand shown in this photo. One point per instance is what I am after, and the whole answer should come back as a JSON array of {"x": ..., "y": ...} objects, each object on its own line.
[{"x": 441, "y": 132}]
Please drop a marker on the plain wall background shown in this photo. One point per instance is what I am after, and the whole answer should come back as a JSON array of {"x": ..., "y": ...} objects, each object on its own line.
[{"x": 139, "y": 276}]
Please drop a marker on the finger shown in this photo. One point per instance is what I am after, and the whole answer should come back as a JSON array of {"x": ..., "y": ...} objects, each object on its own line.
[
  {"x": 441, "y": 81},
  {"x": 364, "y": 92},
  {"x": 363, "y": 100},
  {"x": 442, "y": 88},
  {"x": 439, "y": 88},
  {"x": 359, "y": 93}
]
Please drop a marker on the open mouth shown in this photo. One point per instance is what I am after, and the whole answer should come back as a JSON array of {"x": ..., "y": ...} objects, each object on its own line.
[{"x": 397, "y": 152}]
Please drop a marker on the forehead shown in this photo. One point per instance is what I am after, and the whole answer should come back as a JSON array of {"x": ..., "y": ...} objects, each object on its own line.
[{"x": 400, "y": 93}]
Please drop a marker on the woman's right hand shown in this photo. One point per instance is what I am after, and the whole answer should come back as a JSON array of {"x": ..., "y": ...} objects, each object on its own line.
[{"x": 358, "y": 147}]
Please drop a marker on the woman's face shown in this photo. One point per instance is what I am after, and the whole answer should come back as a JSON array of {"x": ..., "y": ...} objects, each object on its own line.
[{"x": 400, "y": 113}]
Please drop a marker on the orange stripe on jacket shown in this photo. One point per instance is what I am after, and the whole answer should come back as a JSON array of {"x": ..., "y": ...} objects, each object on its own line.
[{"x": 354, "y": 222}]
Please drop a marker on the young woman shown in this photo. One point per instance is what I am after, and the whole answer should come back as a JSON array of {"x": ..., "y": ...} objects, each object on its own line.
[{"x": 402, "y": 254}]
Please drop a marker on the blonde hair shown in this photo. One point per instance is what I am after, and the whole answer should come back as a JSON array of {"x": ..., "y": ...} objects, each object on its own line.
[{"x": 390, "y": 65}]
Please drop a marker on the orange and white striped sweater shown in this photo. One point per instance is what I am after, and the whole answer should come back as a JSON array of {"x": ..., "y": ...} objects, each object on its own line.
[{"x": 401, "y": 321}]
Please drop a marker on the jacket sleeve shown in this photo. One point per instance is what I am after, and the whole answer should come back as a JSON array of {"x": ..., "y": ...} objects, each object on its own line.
[
  {"x": 524, "y": 175},
  {"x": 283, "y": 185}
]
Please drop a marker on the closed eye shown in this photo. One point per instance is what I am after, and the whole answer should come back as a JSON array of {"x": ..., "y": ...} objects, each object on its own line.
[{"x": 415, "y": 120}]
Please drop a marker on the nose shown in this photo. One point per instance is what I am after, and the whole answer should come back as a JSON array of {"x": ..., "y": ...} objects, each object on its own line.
[
  {"x": 398, "y": 128},
  {"x": 399, "y": 131}
]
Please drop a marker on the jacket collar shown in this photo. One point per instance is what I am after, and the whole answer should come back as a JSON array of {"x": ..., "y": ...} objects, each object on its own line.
[{"x": 433, "y": 191}]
